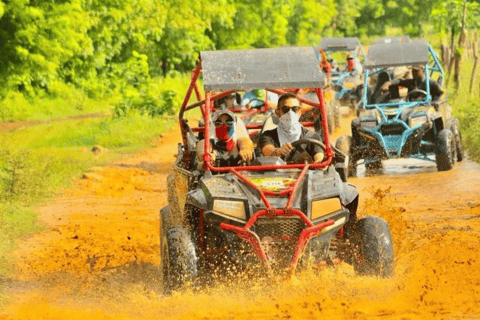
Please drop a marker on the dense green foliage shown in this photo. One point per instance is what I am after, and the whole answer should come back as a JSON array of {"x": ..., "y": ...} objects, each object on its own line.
[{"x": 105, "y": 47}]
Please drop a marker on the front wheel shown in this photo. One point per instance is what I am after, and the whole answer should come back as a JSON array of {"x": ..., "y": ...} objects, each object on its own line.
[
  {"x": 374, "y": 167},
  {"x": 178, "y": 257},
  {"x": 445, "y": 150},
  {"x": 373, "y": 242}
]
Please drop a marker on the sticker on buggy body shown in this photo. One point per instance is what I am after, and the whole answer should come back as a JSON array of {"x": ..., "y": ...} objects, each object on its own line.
[{"x": 273, "y": 184}]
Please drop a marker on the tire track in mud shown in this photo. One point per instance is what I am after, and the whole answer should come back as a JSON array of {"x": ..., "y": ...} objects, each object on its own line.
[{"x": 98, "y": 255}]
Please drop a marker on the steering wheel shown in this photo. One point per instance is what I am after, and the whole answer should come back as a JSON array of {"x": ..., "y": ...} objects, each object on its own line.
[
  {"x": 230, "y": 160},
  {"x": 299, "y": 153},
  {"x": 415, "y": 94},
  {"x": 259, "y": 106}
]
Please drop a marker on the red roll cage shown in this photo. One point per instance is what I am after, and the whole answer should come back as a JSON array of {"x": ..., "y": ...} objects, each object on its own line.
[
  {"x": 205, "y": 106},
  {"x": 244, "y": 232}
]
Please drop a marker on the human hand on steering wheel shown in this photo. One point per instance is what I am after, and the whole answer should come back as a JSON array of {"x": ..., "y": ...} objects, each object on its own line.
[
  {"x": 246, "y": 155},
  {"x": 284, "y": 150},
  {"x": 304, "y": 155}
]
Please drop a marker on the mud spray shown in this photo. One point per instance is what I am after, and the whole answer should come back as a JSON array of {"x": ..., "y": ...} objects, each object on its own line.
[{"x": 98, "y": 256}]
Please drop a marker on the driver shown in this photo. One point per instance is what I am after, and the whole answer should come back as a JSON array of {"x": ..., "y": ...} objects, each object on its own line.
[
  {"x": 418, "y": 82},
  {"x": 278, "y": 142},
  {"x": 230, "y": 142},
  {"x": 350, "y": 65}
]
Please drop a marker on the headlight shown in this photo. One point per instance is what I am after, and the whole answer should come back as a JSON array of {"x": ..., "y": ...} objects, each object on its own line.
[
  {"x": 321, "y": 208},
  {"x": 235, "y": 209},
  {"x": 417, "y": 121}
]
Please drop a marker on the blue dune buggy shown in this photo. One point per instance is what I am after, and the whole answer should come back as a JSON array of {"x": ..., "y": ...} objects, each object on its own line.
[
  {"x": 347, "y": 84},
  {"x": 402, "y": 126}
]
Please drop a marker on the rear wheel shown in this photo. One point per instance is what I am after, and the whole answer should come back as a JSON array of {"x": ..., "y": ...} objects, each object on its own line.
[
  {"x": 344, "y": 144},
  {"x": 178, "y": 258},
  {"x": 373, "y": 242},
  {"x": 445, "y": 150},
  {"x": 458, "y": 140},
  {"x": 331, "y": 118},
  {"x": 336, "y": 113}
]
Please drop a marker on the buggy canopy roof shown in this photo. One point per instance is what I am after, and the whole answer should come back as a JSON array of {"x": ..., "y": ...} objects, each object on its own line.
[
  {"x": 397, "y": 54},
  {"x": 339, "y": 44},
  {"x": 402, "y": 39},
  {"x": 288, "y": 67}
]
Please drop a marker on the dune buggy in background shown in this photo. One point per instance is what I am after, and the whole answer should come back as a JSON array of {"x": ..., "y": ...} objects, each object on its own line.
[
  {"x": 347, "y": 85},
  {"x": 412, "y": 126},
  {"x": 270, "y": 215}
]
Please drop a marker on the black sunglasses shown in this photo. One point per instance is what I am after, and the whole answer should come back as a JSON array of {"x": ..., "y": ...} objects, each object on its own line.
[
  {"x": 295, "y": 109},
  {"x": 228, "y": 123}
]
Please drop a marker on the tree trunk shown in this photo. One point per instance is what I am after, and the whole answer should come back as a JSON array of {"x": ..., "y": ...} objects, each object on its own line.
[
  {"x": 475, "y": 62},
  {"x": 461, "y": 48},
  {"x": 450, "y": 63},
  {"x": 445, "y": 54}
]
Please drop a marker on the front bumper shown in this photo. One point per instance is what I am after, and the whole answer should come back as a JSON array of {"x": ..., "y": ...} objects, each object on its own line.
[{"x": 277, "y": 238}]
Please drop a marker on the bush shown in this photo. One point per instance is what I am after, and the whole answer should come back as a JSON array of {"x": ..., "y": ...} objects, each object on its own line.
[{"x": 150, "y": 105}]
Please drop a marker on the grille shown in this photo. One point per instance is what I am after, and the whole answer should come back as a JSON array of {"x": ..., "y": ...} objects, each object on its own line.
[
  {"x": 278, "y": 227},
  {"x": 278, "y": 237},
  {"x": 392, "y": 129}
]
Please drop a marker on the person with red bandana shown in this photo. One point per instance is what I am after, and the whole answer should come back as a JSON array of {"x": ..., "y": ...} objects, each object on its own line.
[
  {"x": 230, "y": 142},
  {"x": 325, "y": 64},
  {"x": 351, "y": 66}
]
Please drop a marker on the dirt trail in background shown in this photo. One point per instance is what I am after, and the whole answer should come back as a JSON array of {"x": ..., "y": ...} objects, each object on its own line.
[
  {"x": 19, "y": 125},
  {"x": 98, "y": 255}
]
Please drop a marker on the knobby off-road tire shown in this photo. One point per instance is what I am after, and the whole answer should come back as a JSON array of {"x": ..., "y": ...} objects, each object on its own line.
[
  {"x": 374, "y": 167},
  {"x": 331, "y": 118},
  {"x": 458, "y": 140},
  {"x": 178, "y": 257},
  {"x": 445, "y": 150},
  {"x": 373, "y": 242},
  {"x": 336, "y": 113}
]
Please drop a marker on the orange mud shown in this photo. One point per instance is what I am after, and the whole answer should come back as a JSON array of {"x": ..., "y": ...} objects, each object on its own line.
[{"x": 98, "y": 255}]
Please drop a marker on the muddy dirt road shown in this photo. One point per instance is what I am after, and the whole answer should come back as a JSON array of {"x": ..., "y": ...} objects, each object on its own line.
[{"x": 98, "y": 255}]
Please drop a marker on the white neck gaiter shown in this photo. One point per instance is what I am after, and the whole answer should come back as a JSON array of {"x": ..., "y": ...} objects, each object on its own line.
[{"x": 289, "y": 129}]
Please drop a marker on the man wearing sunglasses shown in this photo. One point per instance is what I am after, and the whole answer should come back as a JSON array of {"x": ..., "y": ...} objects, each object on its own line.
[
  {"x": 278, "y": 142},
  {"x": 230, "y": 140}
]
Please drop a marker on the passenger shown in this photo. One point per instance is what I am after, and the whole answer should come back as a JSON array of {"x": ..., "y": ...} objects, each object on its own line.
[
  {"x": 229, "y": 101},
  {"x": 381, "y": 94},
  {"x": 418, "y": 82},
  {"x": 230, "y": 140},
  {"x": 278, "y": 142}
]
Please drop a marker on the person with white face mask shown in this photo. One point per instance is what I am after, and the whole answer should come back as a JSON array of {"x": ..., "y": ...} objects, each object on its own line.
[{"x": 278, "y": 142}]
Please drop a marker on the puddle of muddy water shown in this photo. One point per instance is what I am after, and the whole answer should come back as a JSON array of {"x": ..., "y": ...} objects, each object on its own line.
[{"x": 100, "y": 261}]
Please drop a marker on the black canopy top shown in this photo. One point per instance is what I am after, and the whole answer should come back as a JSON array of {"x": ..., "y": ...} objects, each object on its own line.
[
  {"x": 288, "y": 67},
  {"x": 397, "y": 54},
  {"x": 339, "y": 44}
]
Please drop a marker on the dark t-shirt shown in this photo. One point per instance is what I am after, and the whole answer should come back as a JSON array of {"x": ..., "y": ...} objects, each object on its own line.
[
  {"x": 413, "y": 84},
  {"x": 271, "y": 137}
]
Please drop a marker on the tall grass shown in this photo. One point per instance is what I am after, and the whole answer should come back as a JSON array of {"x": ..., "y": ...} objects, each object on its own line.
[
  {"x": 466, "y": 107},
  {"x": 37, "y": 162}
]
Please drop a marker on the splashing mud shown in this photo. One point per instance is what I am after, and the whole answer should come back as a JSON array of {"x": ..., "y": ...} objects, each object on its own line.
[{"x": 98, "y": 256}]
